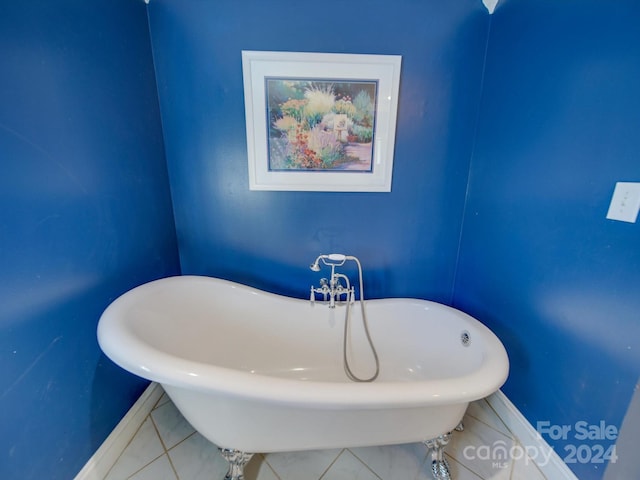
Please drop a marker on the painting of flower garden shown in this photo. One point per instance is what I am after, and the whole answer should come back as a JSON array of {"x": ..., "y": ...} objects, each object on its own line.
[{"x": 319, "y": 125}]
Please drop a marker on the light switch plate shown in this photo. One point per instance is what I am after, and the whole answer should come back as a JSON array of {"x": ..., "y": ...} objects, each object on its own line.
[{"x": 625, "y": 202}]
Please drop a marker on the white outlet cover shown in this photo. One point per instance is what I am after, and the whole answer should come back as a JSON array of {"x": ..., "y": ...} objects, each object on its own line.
[{"x": 625, "y": 202}]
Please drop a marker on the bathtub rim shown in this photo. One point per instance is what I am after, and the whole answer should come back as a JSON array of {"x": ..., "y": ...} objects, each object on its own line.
[{"x": 118, "y": 345}]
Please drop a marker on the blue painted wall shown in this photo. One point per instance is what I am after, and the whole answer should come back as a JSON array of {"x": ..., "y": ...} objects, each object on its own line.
[
  {"x": 406, "y": 239},
  {"x": 86, "y": 208},
  {"x": 85, "y": 214},
  {"x": 539, "y": 262}
]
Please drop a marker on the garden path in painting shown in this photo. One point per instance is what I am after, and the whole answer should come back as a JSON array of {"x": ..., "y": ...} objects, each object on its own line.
[{"x": 361, "y": 152}]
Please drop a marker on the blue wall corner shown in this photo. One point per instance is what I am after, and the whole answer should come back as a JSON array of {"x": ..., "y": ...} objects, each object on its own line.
[
  {"x": 86, "y": 214},
  {"x": 540, "y": 264}
]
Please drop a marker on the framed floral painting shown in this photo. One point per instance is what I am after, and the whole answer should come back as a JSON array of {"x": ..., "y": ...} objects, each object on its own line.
[{"x": 320, "y": 121}]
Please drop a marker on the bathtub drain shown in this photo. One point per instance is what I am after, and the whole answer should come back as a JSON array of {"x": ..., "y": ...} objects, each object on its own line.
[{"x": 465, "y": 338}]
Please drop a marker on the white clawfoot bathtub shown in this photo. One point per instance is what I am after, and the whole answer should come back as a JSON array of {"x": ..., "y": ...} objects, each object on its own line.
[{"x": 259, "y": 372}]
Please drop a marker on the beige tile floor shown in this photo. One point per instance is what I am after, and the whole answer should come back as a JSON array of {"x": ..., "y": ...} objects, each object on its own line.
[{"x": 166, "y": 447}]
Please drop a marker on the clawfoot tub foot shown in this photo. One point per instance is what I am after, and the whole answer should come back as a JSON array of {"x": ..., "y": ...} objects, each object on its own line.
[
  {"x": 439, "y": 464},
  {"x": 237, "y": 461}
]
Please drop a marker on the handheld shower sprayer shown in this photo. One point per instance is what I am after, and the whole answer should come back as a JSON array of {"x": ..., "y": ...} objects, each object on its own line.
[
  {"x": 331, "y": 260},
  {"x": 314, "y": 266}
]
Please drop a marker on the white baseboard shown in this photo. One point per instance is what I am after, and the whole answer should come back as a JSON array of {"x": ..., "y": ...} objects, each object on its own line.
[
  {"x": 549, "y": 462},
  {"x": 106, "y": 456}
]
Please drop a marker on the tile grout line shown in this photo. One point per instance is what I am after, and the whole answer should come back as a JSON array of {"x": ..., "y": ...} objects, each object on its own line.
[
  {"x": 535, "y": 465},
  {"x": 276, "y": 474},
  {"x": 504, "y": 424},
  {"x": 331, "y": 464},
  {"x": 498, "y": 415},
  {"x": 426, "y": 464},
  {"x": 425, "y": 461},
  {"x": 517, "y": 440},
  {"x": 148, "y": 417},
  {"x": 172, "y": 466},
  {"x": 125, "y": 449},
  {"x": 158, "y": 404},
  {"x": 487, "y": 404},
  {"x": 458, "y": 465},
  {"x": 362, "y": 462},
  {"x": 483, "y": 424},
  {"x": 185, "y": 439},
  {"x": 510, "y": 435},
  {"x": 512, "y": 463},
  {"x": 164, "y": 446}
]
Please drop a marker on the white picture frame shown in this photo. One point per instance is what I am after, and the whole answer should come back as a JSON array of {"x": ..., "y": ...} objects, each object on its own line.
[{"x": 297, "y": 140}]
